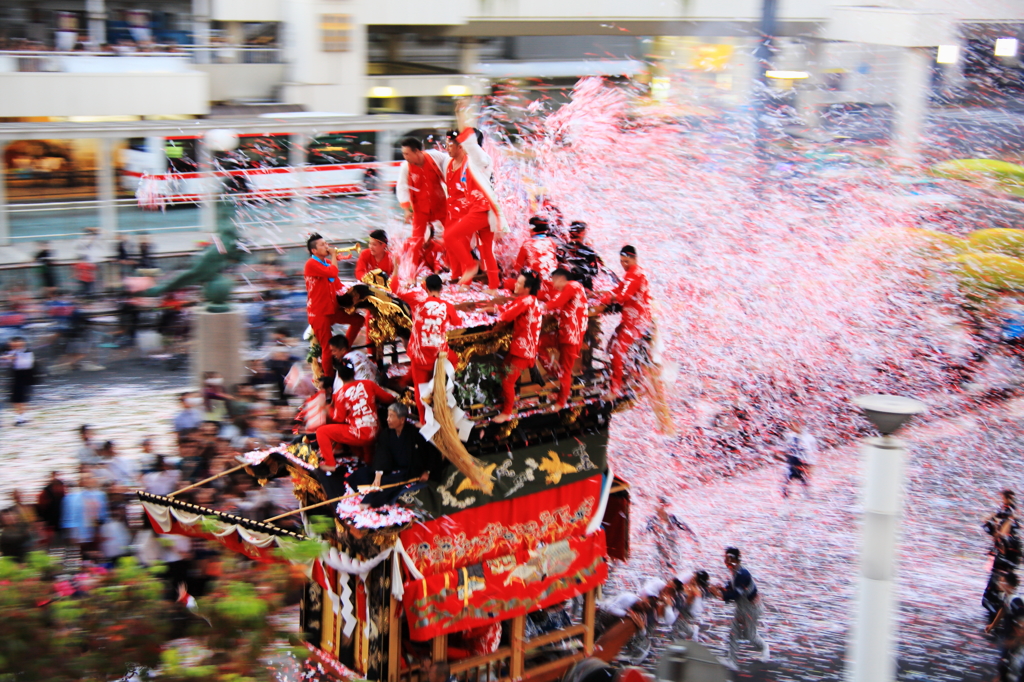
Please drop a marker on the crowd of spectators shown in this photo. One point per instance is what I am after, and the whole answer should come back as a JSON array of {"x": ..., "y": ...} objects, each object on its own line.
[{"x": 90, "y": 516}]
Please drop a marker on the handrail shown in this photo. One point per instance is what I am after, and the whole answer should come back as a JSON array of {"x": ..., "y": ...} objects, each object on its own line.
[{"x": 34, "y": 61}]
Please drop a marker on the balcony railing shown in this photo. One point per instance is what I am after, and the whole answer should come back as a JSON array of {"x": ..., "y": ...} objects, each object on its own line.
[{"x": 176, "y": 59}]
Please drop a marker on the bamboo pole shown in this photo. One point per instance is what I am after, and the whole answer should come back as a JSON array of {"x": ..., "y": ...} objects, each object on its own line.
[
  {"x": 337, "y": 499},
  {"x": 211, "y": 478}
]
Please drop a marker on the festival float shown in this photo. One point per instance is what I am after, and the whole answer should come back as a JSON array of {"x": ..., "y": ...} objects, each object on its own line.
[{"x": 524, "y": 516}]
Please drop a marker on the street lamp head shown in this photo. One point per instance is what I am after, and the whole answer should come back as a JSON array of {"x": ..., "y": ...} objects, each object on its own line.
[
  {"x": 889, "y": 413},
  {"x": 221, "y": 140}
]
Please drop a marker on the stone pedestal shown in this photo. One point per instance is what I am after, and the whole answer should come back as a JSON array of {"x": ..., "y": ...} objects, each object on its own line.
[{"x": 218, "y": 343}]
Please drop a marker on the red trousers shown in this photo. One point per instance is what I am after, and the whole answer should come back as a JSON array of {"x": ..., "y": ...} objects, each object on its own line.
[
  {"x": 423, "y": 255},
  {"x": 515, "y": 365},
  {"x": 567, "y": 354},
  {"x": 359, "y": 439},
  {"x": 420, "y": 374},
  {"x": 457, "y": 238},
  {"x": 322, "y": 331},
  {"x": 621, "y": 342}
]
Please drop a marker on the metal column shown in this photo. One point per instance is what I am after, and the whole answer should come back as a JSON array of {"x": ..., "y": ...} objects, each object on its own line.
[
  {"x": 209, "y": 195},
  {"x": 96, "y": 11},
  {"x": 297, "y": 157},
  {"x": 107, "y": 191},
  {"x": 872, "y": 656}
]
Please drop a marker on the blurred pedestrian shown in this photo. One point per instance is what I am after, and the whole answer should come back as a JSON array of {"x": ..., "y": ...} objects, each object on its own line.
[
  {"x": 800, "y": 447},
  {"x": 47, "y": 272},
  {"x": 86, "y": 453},
  {"x": 190, "y": 417},
  {"x": 741, "y": 590},
  {"x": 23, "y": 375},
  {"x": 15, "y": 535},
  {"x": 49, "y": 505},
  {"x": 88, "y": 254},
  {"x": 688, "y": 602},
  {"x": 85, "y": 510}
]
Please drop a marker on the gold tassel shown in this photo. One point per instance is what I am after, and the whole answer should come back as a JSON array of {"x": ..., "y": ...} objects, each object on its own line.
[{"x": 447, "y": 437}]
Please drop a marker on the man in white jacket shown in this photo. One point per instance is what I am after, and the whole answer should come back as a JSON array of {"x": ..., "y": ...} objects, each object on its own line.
[{"x": 421, "y": 194}]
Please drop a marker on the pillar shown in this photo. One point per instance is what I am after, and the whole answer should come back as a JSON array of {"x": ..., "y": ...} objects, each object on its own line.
[
  {"x": 5, "y": 224},
  {"x": 872, "y": 655},
  {"x": 911, "y": 102},
  {"x": 469, "y": 55},
  {"x": 394, "y": 47},
  {"x": 809, "y": 93},
  {"x": 96, "y": 13},
  {"x": 219, "y": 341},
  {"x": 234, "y": 33},
  {"x": 106, "y": 187},
  {"x": 201, "y": 30},
  {"x": 426, "y": 106}
]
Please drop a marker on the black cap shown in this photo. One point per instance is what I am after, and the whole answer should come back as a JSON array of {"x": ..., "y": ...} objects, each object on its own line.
[
  {"x": 577, "y": 226},
  {"x": 538, "y": 224},
  {"x": 628, "y": 250},
  {"x": 379, "y": 235}
]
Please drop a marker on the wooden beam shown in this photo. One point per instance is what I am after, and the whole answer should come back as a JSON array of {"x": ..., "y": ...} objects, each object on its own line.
[
  {"x": 553, "y": 670},
  {"x": 556, "y": 636},
  {"x": 515, "y": 666},
  {"x": 589, "y": 619},
  {"x": 479, "y": 661},
  {"x": 394, "y": 641},
  {"x": 439, "y": 649}
]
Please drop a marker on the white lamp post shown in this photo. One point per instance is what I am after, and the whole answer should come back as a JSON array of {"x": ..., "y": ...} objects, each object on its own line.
[{"x": 872, "y": 657}]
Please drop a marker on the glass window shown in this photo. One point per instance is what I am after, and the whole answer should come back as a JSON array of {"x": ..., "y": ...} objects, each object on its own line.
[
  {"x": 256, "y": 151},
  {"x": 181, "y": 154},
  {"x": 343, "y": 148},
  {"x": 430, "y": 138}
]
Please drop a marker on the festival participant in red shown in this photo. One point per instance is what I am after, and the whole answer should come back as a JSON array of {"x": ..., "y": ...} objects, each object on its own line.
[
  {"x": 633, "y": 296},
  {"x": 473, "y": 209},
  {"x": 421, "y": 194},
  {"x": 353, "y": 419},
  {"x": 377, "y": 257},
  {"x": 527, "y": 314},
  {"x": 539, "y": 254},
  {"x": 321, "y": 275},
  {"x": 431, "y": 319},
  {"x": 570, "y": 305}
]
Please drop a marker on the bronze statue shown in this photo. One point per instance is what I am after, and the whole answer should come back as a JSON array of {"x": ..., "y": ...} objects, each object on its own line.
[{"x": 208, "y": 268}]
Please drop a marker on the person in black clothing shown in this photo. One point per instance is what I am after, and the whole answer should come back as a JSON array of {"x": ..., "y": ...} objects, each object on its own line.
[
  {"x": 146, "y": 261},
  {"x": 49, "y": 506},
  {"x": 15, "y": 535},
  {"x": 578, "y": 257},
  {"x": 23, "y": 376},
  {"x": 47, "y": 275},
  {"x": 583, "y": 264},
  {"x": 402, "y": 454}
]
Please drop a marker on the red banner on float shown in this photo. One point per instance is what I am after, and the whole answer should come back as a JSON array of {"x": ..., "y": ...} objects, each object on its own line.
[
  {"x": 503, "y": 527},
  {"x": 504, "y": 587}
]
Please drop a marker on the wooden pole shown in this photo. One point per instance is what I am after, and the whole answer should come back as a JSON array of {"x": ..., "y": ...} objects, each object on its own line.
[
  {"x": 337, "y": 499},
  {"x": 517, "y": 661},
  {"x": 439, "y": 649},
  {"x": 211, "y": 478},
  {"x": 589, "y": 617},
  {"x": 394, "y": 641}
]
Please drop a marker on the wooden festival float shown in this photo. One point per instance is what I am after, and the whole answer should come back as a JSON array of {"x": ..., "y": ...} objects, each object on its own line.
[{"x": 524, "y": 516}]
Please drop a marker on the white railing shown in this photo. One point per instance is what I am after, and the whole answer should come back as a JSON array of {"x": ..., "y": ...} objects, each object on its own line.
[{"x": 177, "y": 59}]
